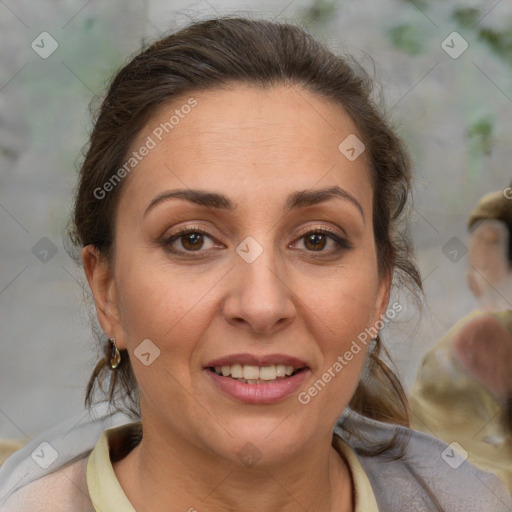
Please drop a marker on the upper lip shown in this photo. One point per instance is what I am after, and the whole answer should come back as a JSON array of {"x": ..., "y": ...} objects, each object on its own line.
[{"x": 253, "y": 360}]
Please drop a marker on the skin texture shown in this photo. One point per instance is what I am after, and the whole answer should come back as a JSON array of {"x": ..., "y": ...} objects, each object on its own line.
[{"x": 256, "y": 146}]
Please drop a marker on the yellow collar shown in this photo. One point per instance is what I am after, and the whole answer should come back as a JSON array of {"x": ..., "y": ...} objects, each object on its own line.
[{"x": 105, "y": 490}]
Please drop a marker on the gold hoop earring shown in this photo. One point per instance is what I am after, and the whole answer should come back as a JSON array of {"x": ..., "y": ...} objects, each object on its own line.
[{"x": 115, "y": 355}]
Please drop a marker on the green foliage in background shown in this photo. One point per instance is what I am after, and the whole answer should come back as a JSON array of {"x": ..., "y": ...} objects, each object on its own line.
[
  {"x": 410, "y": 38},
  {"x": 480, "y": 136},
  {"x": 320, "y": 11},
  {"x": 498, "y": 42},
  {"x": 466, "y": 17},
  {"x": 69, "y": 76}
]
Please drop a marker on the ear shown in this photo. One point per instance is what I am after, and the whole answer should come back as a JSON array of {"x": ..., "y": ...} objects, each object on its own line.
[
  {"x": 383, "y": 294},
  {"x": 101, "y": 281}
]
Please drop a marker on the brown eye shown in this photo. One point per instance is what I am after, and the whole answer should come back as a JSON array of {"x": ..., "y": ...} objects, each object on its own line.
[
  {"x": 318, "y": 239},
  {"x": 188, "y": 240},
  {"x": 315, "y": 241},
  {"x": 192, "y": 241}
]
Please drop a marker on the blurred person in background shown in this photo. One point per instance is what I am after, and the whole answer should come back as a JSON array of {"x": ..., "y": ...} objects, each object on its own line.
[{"x": 463, "y": 390}]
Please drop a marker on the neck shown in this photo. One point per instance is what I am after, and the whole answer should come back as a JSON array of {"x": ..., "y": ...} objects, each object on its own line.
[{"x": 161, "y": 471}]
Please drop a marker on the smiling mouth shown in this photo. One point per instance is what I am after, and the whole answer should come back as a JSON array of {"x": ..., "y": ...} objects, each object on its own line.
[{"x": 250, "y": 374}]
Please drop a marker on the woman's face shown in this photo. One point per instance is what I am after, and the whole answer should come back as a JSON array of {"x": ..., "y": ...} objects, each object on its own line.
[{"x": 255, "y": 283}]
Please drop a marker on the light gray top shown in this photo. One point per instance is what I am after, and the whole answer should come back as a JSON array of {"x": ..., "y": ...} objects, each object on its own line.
[{"x": 429, "y": 477}]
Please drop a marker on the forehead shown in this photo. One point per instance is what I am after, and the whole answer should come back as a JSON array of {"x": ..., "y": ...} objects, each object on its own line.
[{"x": 247, "y": 141}]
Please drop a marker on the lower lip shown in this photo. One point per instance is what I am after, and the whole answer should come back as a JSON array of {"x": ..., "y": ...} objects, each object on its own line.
[{"x": 266, "y": 393}]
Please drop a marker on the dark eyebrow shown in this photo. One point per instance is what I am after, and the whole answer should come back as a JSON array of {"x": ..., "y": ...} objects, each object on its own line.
[
  {"x": 298, "y": 199},
  {"x": 303, "y": 198}
]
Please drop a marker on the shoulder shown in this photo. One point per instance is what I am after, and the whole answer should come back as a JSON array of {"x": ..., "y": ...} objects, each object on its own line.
[
  {"x": 426, "y": 475},
  {"x": 49, "y": 471},
  {"x": 56, "y": 491}
]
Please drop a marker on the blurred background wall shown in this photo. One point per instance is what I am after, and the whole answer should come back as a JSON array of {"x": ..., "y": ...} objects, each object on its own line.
[{"x": 449, "y": 95}]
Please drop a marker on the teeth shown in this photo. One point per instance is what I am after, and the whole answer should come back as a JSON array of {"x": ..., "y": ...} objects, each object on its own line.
[
  {"x": 281, "y": 370},
  {"x": 237, "y": 372},
  {"x": 268, "y": 372},
  {"x": 253, "y": 374}
]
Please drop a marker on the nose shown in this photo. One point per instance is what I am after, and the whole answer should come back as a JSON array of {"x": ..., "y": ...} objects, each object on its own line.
[{"x": 260, "y": 298}]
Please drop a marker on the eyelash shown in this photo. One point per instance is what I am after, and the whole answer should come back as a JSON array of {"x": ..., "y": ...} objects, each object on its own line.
[{"x": 343, "y": 244}]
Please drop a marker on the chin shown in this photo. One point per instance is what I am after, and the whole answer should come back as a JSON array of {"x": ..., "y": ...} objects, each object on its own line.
[{"x": 266, "y": 441}]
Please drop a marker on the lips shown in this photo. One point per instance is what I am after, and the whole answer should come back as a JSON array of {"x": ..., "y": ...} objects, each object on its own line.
[{"x": 257, "y": 379}]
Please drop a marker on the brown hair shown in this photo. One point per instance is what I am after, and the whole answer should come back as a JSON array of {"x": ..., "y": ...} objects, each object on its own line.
[{"x": 222, "y": 51}]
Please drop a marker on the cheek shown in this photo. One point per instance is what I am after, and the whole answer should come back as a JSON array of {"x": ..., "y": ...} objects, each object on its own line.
[
  {"x": 346, "y": 332},
  {"x": 162, "y": 304},
  {"x": 343, "y": 311},
  {"x": 347, "y": 309},
  {"x": 342, "y": 334},
  {"x": 168, "y": 309}
]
